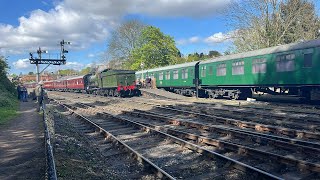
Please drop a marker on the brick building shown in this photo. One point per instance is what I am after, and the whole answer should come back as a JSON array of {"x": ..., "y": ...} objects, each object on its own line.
[{"x": 32, "y": 78}]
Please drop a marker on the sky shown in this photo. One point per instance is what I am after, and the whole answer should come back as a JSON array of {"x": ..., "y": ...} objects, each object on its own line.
[{"x": 196, "y": 26}]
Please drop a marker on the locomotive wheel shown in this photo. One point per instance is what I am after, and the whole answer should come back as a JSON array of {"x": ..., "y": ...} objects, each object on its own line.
[
  {"x": 116, "y": 94},
  {"x": 111, "y": 92}
]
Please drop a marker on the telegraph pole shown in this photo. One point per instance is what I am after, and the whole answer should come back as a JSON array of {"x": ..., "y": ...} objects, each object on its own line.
[{"x": 39, "y": 60}]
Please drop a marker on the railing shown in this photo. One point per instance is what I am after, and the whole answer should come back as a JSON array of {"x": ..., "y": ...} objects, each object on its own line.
[{"x": 51, "y": 173}]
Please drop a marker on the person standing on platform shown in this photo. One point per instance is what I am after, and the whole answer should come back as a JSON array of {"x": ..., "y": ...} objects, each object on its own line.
[
  {"x": 24, "y": 93},
  {"x": 19, "y": 91},
  {"x": 39, "y": 94}
]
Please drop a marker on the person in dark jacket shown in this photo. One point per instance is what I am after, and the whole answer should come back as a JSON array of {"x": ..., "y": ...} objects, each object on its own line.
[
  {"x": 39, "y": 93},
  {"x": 19, "y": 91},
  {"x": 24, "y": 94}
]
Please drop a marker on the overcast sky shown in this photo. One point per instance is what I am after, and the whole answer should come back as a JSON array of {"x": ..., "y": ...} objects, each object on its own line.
[{"x": 196, "y": 26}]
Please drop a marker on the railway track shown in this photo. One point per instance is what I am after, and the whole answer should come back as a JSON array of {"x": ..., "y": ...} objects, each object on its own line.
[
  {"x": 174, "y": 157},
  {"x": 242, "y": 150},
  {"x": 308, "y": 138},
  {"x": 250, "y": 149},
  {"x": 279, "y": 117},
  {"x": 283, "y": 156},
  {"x": 258, "y": 121}
]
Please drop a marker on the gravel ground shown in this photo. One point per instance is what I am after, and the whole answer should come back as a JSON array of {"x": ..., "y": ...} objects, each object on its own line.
[{"x": 81, "y": 156}]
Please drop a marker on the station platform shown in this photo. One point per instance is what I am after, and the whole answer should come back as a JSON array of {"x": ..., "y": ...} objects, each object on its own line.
[
  {"x": 22, "y": 153},
  {"x": 159, "y": 93}
]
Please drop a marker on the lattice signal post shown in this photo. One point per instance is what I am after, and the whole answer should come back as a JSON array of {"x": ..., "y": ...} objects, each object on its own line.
[{"x": 40, "y": 60}]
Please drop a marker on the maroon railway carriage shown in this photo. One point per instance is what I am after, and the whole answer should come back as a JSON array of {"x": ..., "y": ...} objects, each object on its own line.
[
  {"x": 49, "y": 85},
  {"x": 60, "y": 84},
  {"x": 78, "y": 83},
  {"x": 30, "y": 85}
]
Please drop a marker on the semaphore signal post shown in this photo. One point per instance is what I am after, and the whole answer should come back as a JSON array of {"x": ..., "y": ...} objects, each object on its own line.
[{"x": 39, "y": 60}]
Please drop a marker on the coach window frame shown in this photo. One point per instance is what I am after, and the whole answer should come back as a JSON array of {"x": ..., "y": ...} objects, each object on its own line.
[
  {"x": 167, "y": 75},
  {"x": 184, "y": 73},
  {"x": 203, "y": 71},
  {"x": 308, "y": 58},
  {"x": 221, "y": 69},
  {"x": 238, "y": 67},
  {"x": 259, "y": 65},
  {"x": 210, "y": 72},
  {"x": 286, "y": 62},
  {"x": 161, "y": 75},
  {"x": 175, "y": 74}
]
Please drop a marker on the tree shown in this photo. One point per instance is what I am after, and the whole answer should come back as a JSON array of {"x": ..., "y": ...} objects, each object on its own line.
[
  {"x": 124, "y": 39},
  {"x": 85, "y": 71},
  {"x": 30, "y": 73},
  {"x": 3, "y": 66},
  {"x": 67, "y": 72},
  {"x": 214, "y": 54},
  {"x": 266, "y": 23},
  {"x": 305, "y": 24},
  {"x": 156, "y": 50}
]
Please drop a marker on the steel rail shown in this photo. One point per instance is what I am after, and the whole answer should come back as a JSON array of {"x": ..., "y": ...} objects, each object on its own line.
[
  {"x": 253, "y": 126},
  {"x": 237, "y": 147},
  {"x": 159, "y": 172},
  {"x": 285, "y": 139},
  {"x": 236, "y": 164}
]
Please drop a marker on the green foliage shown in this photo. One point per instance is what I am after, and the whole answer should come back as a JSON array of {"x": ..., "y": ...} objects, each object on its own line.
[
  {"x": 85, "y": 71},
  {"x": 202, "y": 56},
  {"x": 8, "y": 95},
  {"x": 214, "y": 54},
  {"x": 67, "y": 72},
  {"x": 156, "y": 50}
]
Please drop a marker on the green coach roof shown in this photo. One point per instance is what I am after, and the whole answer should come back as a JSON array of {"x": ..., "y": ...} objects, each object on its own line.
[
  {"x": 169, "y": 67},
  {"x": 270, "y": 50}
]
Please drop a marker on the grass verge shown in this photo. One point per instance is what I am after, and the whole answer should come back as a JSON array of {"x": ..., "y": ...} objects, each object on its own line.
[
  {"x": 8, "y": 106},
  {"x": 7, "y": 114}
]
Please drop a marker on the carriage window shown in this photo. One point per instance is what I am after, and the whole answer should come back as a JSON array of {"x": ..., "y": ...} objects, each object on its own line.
[
  {"x": 259, "y": 65},
  {"x": 210, "y": 70},
  {"x": 238, "y": 68},
  {"x": 168, "y": 75},
  {"x": 191, "y": 72},
  {"x": 175, "y": 74},
  {"x": 285, "y": 63},
  {"x": 307, "y": 60},
  {"x": 184, "y": 73},
  {"x": 161, "y": 76},
  {"x": 203, "y": 71},
  {"x": 221, "y": 69}
]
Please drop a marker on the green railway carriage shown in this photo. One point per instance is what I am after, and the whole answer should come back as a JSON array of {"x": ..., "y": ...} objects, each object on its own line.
[
  {"x": 170, "y": 77},
  {"x": 292, "y": 69}
]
